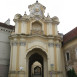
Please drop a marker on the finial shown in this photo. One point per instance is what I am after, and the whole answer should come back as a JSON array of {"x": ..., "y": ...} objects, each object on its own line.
[
  {"x": 25, "y": 13},
  {"x": 48, "y": 15},
  {"x": 36, "y": 1},
  {"x": 7, "y": 21}
]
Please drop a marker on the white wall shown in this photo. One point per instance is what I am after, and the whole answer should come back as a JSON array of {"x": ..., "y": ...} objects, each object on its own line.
[{"x": 4, "y": 46}]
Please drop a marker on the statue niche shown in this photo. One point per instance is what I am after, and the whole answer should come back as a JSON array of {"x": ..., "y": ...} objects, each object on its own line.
[{"x": 37, "y": 28}]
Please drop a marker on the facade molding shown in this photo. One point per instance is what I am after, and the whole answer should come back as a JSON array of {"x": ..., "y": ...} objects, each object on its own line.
[
  {"x": 37, "y": 46},
  {"x": 52, "y": 44},
  {"x": 21, "y": 43},
  {"x": 43, "y": 36}
]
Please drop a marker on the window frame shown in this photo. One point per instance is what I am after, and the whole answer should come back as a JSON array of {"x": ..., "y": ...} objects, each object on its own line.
[
  {"x": 76, "y": 53},
  {"x": 67, "y": 56}
]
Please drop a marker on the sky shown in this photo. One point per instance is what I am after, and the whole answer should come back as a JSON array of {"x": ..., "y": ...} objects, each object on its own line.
[{"x": 65, "y": 10}]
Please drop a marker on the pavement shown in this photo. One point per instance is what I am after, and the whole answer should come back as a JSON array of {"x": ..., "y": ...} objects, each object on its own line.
[{"x": 37, "y": 76}]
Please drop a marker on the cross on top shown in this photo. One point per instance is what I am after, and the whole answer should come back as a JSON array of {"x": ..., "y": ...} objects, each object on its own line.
[{"x": 36, "y": 0}]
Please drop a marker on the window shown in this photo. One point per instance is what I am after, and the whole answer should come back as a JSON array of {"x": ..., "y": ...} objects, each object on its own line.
[
  {"x": 67, "y": 56},
  {"x": 76, "y": 52}
]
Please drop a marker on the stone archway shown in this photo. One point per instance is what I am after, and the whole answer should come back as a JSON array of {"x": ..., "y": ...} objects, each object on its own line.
[
  {"x": 38, "y": 71},
  {"x": 35, "y": 57},
  {"x": 39, "y": 55}
]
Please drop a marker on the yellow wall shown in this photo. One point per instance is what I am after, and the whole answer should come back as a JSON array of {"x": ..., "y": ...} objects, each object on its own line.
[
  {"x": 45, "y": 28},
  {"x": 28, "y": 27},
  {"x": 19, "y": 27},
  {"x": 53, "y": 29},
  {"x": 71, "y": 43}
]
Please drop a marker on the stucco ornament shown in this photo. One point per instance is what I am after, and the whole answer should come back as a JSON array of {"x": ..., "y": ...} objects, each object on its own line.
[
  {"x": 36, "y": 9},
  {"x": 17, "y": 16},
  {"x": 55, "y": 18}
]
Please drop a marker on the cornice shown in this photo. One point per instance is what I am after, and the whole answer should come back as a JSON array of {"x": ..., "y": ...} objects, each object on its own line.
[
  {"x": 22, "y": 19},
  {"x": 5, "y": 29},
  {"x": 37, "y": 18},
  {"x": 41, "y": 36}
]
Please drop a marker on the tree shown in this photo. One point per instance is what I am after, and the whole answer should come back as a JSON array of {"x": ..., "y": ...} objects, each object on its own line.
[{"x": 71, "y": 73}]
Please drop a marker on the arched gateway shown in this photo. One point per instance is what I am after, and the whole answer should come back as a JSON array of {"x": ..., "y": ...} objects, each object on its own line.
[
  {"x": 33, "y": 56},
  {"x": 36, "y": 45}
]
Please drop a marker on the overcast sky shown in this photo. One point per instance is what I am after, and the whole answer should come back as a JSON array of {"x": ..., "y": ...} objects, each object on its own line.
[{"x": 65, "y": 10}]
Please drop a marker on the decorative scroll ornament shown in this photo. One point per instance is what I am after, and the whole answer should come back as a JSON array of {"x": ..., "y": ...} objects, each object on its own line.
[
  {"x": 15, "y": 43},
  {"x": 50, "y": 44},
  {"x": 58, "y": 45},
  {"x": 22, "y": 43}
]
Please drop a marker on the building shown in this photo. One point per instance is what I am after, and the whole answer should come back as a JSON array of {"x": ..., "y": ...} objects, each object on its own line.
[
  {"x": 34, "y": 46},
  {"x": 5, "y": 31},
  {"x": 70, "y": 49}
]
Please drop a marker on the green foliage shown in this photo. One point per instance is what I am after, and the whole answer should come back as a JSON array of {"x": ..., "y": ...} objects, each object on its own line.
[{"x": 71, "y": 73}]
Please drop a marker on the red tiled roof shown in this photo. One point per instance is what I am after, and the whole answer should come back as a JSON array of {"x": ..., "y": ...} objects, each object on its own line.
[
  {"x": 70, "y": 35},
  {"x": 7, "y": 26}
]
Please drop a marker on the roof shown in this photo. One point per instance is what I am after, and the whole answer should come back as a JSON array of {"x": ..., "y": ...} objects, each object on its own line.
[
  {"x": 70, "y": 35},
  {"x": 7, "y": 26}
]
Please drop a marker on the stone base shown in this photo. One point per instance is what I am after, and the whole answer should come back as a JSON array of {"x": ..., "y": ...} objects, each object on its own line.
[{"x": 17, "y": 74}]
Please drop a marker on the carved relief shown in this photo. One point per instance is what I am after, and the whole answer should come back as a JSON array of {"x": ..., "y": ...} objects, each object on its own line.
[
  {"x": 37, "y": 28},
  {"x": 15, "y": 43},
  {"x": 50, "y": 44},
  {"x": 36, "y": 9},
  {"x": 58, "y": 45},
  {"x": 22, "y": 43}
]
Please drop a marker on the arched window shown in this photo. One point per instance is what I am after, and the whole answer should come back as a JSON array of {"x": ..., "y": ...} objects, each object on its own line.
[{"x": 36, "y": 27}]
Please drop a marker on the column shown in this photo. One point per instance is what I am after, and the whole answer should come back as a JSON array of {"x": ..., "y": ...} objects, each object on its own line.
[
  {"x": 22, "y": 59},
  {"x": 59, "y": 60},
  {"x": 50, "y": 58}
]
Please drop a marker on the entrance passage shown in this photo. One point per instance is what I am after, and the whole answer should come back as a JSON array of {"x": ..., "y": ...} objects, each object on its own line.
[
  {"x": 36, "y": 62},
  {"x": 37, "y": 70}
]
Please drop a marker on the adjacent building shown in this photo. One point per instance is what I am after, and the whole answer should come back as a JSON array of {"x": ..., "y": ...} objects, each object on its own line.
[
  {"x": 5, "y": 32},
  {"x": 70, "y": 49}
]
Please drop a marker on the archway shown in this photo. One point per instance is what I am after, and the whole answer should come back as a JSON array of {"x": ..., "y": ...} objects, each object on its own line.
[
  {"x": 37, "y": 55},
  {"x": 38, "y": 70}
]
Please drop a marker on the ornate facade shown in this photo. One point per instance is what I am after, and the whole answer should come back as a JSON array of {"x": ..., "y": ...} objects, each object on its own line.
[
  {"x": 36, "y": 46},
  {"x": 36, "y": 41}
]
